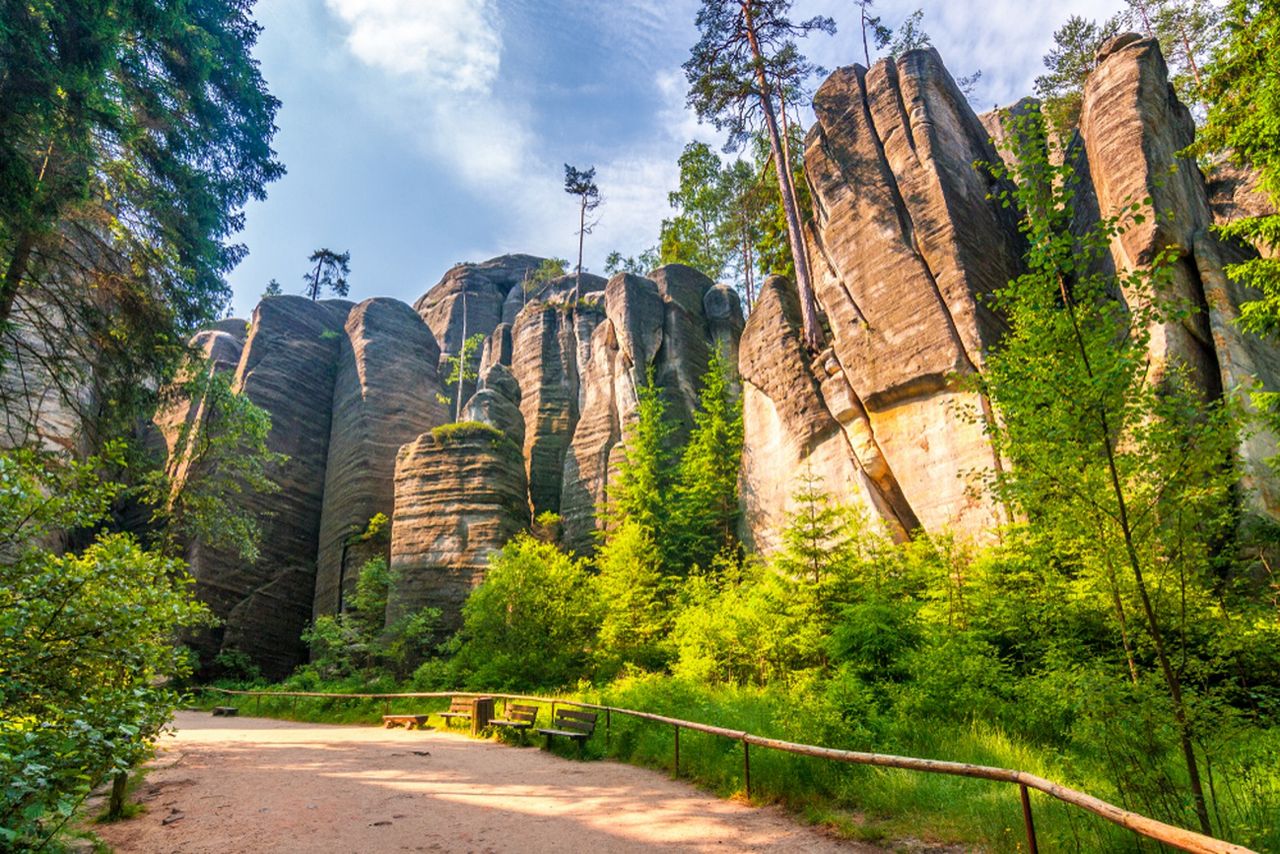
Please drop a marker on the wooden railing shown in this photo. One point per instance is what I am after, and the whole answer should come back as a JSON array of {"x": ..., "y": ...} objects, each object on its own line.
[{"x": 1177, "y": 837}]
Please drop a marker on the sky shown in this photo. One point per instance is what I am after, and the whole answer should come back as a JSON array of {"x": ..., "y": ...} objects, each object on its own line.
[{"x": 421, "y": 133}]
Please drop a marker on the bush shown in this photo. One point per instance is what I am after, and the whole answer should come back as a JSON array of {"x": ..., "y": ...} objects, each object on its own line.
[
  {"x": 531, "y": 624},
  {"x": 86, "y": 646}
]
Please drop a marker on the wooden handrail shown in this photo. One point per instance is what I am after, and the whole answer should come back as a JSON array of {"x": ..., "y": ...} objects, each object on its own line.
[{"x": 1178, "y": 837}]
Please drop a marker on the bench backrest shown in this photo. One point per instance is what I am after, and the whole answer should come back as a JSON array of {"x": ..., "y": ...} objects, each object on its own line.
[
  {"x": 525, "y": 714},
  {"x": 572, "y": 719},
  {"x": 458, "y": 705}
]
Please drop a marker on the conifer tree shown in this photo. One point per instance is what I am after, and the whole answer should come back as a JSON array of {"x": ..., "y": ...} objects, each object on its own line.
[
  {"x": 641, "y": 491},
  {"x": 633, "y": 594},
  {"x": 739, "y": 75},
  {"x": 581, "y": 183},
  {"x": 331, "y": 271},
  {"x": 706, "y": 510},
  {"x": 153, "y": 114}
]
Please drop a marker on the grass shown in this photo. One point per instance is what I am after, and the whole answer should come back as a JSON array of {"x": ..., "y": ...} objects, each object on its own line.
[{"x": 857, "y": 802}]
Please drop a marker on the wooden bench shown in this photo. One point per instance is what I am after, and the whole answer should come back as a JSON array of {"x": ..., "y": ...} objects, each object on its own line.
[
  {"x": 458, "y": 708},
  {"x": 573, "y": 724},
  {"x": 519, "y": 718},
  {"x": 225, "y": 711},
  {"x": 407, "y": 721}
]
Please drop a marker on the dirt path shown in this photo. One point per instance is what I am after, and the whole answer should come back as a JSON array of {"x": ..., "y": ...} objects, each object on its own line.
[{"x": 229, "y": 785}]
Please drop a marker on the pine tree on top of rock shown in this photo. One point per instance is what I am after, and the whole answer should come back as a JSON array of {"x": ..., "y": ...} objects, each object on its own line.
[
  {"x": 330, "y": 273},
  {"x": 582, "y": 184}
]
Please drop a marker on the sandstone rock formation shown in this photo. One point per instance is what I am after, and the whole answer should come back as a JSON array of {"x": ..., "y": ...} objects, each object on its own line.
[
  {"x": 906, "y": 245},
  {"x": 1134, "y": 129},
  {"x": 460, "y": 494},
  {"x": 385, "y": 393}
]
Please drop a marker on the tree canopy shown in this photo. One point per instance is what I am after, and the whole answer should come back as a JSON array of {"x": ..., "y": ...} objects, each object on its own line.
[
  {"x": 741, "y": 73},
  {"x": 154, "y": 114}
]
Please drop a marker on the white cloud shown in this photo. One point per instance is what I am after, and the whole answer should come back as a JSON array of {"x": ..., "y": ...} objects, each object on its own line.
[{"x": 452, "y": 44}]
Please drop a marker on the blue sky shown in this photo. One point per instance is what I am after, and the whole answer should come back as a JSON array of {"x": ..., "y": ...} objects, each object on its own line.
[{"x": 420, "y": 133}]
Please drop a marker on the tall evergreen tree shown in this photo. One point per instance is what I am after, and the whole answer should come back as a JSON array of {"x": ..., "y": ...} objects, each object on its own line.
[
  {"x": 157, "y": 107},
  {"x": 739, "y": 74},
  {"x": 705, "y": 510},
  {"x": 1069, "y": 62},
  {"x": 910, "y": 34},
  {"x": 641, "y": 492},
  {"x": 871, "y": 26}
]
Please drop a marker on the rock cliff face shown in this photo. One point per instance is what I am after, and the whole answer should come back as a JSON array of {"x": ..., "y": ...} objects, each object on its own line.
[
  {"x": 460, "y": 495},
  {"x": 1133, "y": 128},
  {"x": 386, "y": 392},
  {"x": 906, "y": 246}
]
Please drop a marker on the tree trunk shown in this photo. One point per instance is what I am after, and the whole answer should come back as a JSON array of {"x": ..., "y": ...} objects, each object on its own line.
[
  {"x": 462, "y": 357},
  {"x": 582, "y": 233},
  {"x": 866, "y": 51},
  {"x": 16, "y": 271},
  {"x": 812, "y": 331},
  {"x": 1191, "y": 58},
  {"x": 1172, "y": 683},
  {"x": 119, "y": 784}
]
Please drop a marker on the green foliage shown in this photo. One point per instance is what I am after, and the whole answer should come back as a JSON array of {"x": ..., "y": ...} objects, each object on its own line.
[
  {"x": 910, "y": 35},
  {"x": 548, "y": 271},
  {"x": 724, "y": 68},
  {"x": 461, "y": 431},
  {"x": 1069, "y": 62},
  {"x": 1188, "y": 32},
  {"x": 86, "y": 644},
  {"x": 530, "y": 624},
  {"x": 272, "y": 289},
  {"x": 147, "y": 125},
  {"x": 215, "y": 461},
  {"x": 640, "y": 493},
  {"x": 873, "y": 27},
  {"x": 360, "y": 640},
  {"x": 745, "y": 75},
  {"x": 696, "y": 235},
  {"x": 705, "y": 511},
  {"x": 720, "y": 213},
  {"x": 639, "y": 265},
  {"x": 581, "y": 184},
  {"x": 1127, "y": 472},
  {"x": 634, "y": 597},
  {"x": 464, "y": 367},
  {"x": 330, "y": 273},
  {"x": 773, "y": 248},
  {"x": 1242, "y": 88}
]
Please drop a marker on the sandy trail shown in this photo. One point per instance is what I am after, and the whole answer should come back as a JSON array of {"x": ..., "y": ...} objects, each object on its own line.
[{"x": 231, "y": 785}]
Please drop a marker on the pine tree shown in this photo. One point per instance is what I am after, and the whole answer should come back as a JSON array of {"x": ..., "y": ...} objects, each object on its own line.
[
  {"x": 741, "y": 73},
  {"x": 154, "y": 114},
  {"x": 582, "y": 185},
  {"x": 1069, "y": 62},
  {"x": 634, "y": 600},
  {"x": 641, "y": 491},
  {"x": 331, "y": 271},
  {"x": 705, "y": 511}
]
